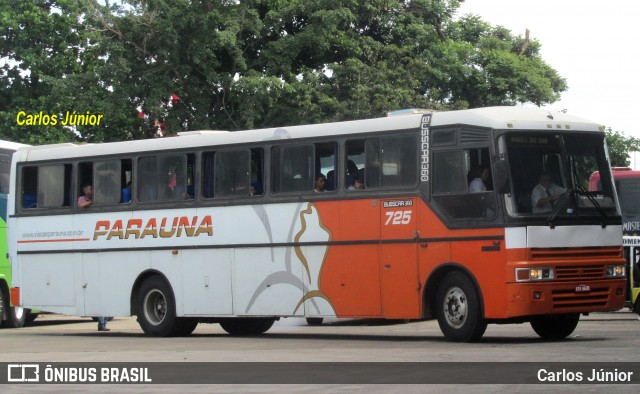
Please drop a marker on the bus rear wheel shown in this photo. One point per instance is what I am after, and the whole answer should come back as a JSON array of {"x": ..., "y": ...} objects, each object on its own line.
[
  {"x": 247, "y": 326},
  {"x": 458, "y": 309},
  {"x": 555, "y": 327},
  {"x": 14, "y": 315},
  {"x": 156, "y": 309}
]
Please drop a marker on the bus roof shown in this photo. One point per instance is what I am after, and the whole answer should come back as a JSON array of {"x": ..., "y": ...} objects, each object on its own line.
[
  {"x": 10, "y": 145},
  {"x": 516, "y": 118}
]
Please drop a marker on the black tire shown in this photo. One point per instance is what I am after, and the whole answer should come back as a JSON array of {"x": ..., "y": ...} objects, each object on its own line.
[
  {"x": 556, "y": 326},
  {"x": 156, "y": 308},
  {"x": 14, "y": 316},
  {"x": 314, "y": 321},
  {"x": 247, "y": 326},
  {"x": 186, "y": 326},
  {"x": 458, "y": 309},
  {"x": 636, "y": 307}
]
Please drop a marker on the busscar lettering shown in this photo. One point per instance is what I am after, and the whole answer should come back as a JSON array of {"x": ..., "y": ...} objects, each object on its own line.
[
  {"x": 424, "y": 148},
  {"x": 169, "y": 227}
]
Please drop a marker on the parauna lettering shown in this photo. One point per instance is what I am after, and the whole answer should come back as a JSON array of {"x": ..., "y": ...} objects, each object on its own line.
[{"x": 168, "y": 228}]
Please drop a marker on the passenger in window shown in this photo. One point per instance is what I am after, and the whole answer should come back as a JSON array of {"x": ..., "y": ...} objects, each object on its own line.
[
  {"x": 477, "y": 185},
  {"x": 358, "y": 184},
  {"x": 545, "y": 194},
  {"x": 252, "y": 191},
  {"x": 319, "y": 184},
  {"x": 86, "y": 198}
]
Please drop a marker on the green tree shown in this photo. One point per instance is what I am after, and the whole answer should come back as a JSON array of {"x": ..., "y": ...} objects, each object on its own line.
[
  {"x": 620, "y": 146},
  {"x": 237, "y": 64}
]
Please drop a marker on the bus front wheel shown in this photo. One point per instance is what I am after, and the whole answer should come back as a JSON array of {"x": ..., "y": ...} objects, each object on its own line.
[
  {"x": 555, "y": 327},
  {"x": 458, "y": 309},
  {"x": 156, "y": 309}
]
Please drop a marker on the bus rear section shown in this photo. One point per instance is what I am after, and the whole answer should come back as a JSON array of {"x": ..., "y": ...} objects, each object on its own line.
[{"x": 627, "y": 182}]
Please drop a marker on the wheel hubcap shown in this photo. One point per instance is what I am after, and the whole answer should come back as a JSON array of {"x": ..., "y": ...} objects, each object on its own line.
[
  {"x": 155, "y": 307},
  {"x": 455, "y": 307}
]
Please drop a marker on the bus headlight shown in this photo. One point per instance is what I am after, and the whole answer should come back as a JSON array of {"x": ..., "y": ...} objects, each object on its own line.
[
  {"x": 534, "y": 274},
  {"x": 615, "y": 271}
]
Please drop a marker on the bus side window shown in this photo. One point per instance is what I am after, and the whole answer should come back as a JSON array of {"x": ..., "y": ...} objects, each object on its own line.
[
  {"x": 54, "y": 186},
  {"x": 172, "y": 178},
  {"x": 382, "y": 162},
  {"x": 29, "y": 190},
  {"x": 111, "y": 182},
  {"x": 257, "y": 172},
  {"x": 354, "y": 166},
  {"x": 208, "y": 161},
  {"x": 233, "y": 173},
  {"x": 147, "y": 180},
  {"x": 292, "y": 168},
  {"x": 399, "y": 156},
  {"x": 450, "y": 188}
]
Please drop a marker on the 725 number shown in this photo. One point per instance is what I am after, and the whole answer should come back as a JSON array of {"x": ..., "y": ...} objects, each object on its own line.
[{"x": 395, "y": 218}]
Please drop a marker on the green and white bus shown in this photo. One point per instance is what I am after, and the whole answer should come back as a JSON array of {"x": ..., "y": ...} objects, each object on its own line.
[{"x": 10, "y": 316}]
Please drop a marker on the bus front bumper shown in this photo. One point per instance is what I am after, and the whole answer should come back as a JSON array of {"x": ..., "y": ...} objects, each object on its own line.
[{"x": 545, "y": 298}]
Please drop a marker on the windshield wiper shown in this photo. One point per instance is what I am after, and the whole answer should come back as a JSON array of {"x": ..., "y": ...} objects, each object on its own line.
[
  {"x": 560, "y": 204},
  {"x": 603, "y": 215}
]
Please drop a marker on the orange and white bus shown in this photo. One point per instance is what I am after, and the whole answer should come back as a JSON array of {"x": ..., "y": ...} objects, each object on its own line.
[{"x": 232, "y": 227}]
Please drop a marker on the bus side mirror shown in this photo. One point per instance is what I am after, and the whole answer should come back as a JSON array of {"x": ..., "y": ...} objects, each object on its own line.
[{"x": 501, "y": 177}]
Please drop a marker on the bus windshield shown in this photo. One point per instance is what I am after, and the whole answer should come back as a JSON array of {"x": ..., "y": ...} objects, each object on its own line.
[{"x": 550, "y": 175}]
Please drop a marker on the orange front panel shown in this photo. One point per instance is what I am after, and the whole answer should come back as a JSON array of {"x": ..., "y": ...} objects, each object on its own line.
[{"x": 485, "y": 260}]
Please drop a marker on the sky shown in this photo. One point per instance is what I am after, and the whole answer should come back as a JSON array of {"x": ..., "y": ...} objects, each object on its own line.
[{"x": 594, "y": 45}]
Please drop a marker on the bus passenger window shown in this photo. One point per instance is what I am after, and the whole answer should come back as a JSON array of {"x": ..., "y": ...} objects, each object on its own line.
[
  {"x": 257, "y": 173},
  {"x": 52, "y": 193},
  {"x": 354, "y": 167},
  {"x": 292, "y": 169},
  {"x": 208, "y": 160},
  {"x": 399, "y": 161},
  {"x": 29, "y": 187},
  {"x": 107, "y": 189},
  {"x": 461, "y": 183},
  {"x": 233, "y": 173},
  {"x": 172, "y": 178}
]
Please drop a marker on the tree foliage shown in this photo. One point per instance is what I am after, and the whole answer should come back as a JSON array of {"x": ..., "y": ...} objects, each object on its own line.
[
  {"x": 237, "y": 64},
  {"x": 619, "y": 147}
]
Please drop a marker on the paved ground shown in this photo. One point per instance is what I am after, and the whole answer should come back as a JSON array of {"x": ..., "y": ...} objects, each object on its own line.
[{"x": 612, "y": 337}]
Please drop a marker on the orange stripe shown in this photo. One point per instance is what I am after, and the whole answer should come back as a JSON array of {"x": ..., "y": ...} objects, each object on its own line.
[{"x": 55, "y": 240}]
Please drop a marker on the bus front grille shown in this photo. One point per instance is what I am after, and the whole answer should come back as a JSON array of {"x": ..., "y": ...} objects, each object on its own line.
[
  {"x": 580, "y": 272},
  {"x": 569, "y": 299}
]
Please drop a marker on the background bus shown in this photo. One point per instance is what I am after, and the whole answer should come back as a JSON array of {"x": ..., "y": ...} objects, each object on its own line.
[
  {"x": 12, "y": 316},
  {"x": 627, "y": 183},
  {"x": 227, "y": 228}
]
